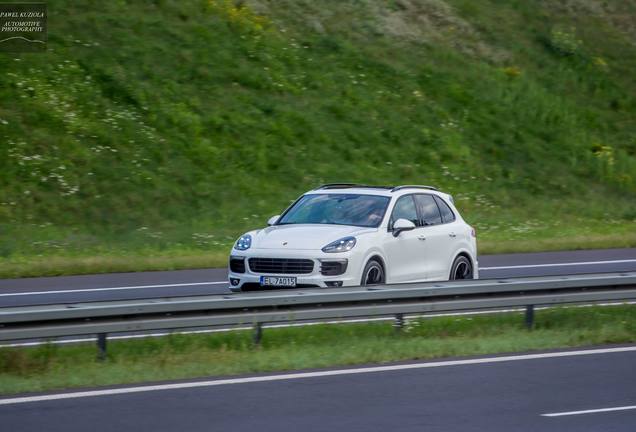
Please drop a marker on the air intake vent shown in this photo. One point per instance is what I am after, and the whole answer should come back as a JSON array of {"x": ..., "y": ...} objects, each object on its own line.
[
  {"x": 237, "y": 265},
  {"x": 333, "y": 268}
]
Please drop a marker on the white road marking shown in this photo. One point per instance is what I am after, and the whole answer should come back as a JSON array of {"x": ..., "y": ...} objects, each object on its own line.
[
  {"x": 559, "y": 264},
  {"x": 303, "y": 375},
  {"x": 120, "y": 288},
  {"x": 600, "y": 410},
  {"x": 110, "y": 288}
]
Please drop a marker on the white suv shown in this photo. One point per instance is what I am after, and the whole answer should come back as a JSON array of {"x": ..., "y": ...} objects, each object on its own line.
[{"x": 349, "y": 235}]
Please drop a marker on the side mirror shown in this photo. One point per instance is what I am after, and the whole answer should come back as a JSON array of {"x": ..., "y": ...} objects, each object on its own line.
[
  {"x": 402, "y": 225},
  {"x": 271, "y": 221}
]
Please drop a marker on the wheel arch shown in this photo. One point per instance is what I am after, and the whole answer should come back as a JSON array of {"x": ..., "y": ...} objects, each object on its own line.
[
  {"x": 465, "y": 254},
  {"x": 378, "y": 258}
]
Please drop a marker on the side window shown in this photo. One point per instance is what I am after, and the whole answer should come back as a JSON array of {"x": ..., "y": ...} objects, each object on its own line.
[
  {"x": 428, "y": 210},
  {"x": 447, "y": 213},
  {"x": 405, "y": 209}
]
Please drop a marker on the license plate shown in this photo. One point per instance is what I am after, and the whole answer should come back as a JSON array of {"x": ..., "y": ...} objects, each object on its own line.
[{"x": 278, "y": 281}]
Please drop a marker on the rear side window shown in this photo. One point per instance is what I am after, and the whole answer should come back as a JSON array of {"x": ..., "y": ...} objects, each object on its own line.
[
  {"x": 405, "y": 209},
  {"x": 447, "y": 213},
  {"x": 428, "y": 210}
]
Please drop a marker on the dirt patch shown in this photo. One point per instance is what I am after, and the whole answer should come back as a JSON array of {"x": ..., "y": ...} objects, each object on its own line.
[
  {"x": 431, "y": 22},
  {"x": 619, "y": 14},
  {"x": 434, "y": 21}
]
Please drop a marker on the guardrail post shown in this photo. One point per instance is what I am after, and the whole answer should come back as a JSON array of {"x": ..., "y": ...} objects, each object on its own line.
[
  {"x": 529, "y": 317},
  {"x": 398, "y": 324},
  {"x": 258, "y": 333},
  {"x": 101, "y": 346}
]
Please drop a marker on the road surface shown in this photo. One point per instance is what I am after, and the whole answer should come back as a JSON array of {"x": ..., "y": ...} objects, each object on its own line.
[
  {"x": 580, "y": 390},
  {"x": 120, "y": 286}
]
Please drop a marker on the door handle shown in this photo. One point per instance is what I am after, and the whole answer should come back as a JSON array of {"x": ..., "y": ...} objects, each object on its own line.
[
  {"x": 453, "y": 235},
  {"x": 421, "y": 237}
]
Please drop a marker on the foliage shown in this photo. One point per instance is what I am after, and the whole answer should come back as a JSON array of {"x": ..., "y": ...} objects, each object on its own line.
[{"x": 157, "y": 127}]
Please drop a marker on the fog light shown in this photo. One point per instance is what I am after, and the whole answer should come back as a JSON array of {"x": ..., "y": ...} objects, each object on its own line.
[
  {"x": 234, "y": 281},
  {"x": 334, "y": 284}
]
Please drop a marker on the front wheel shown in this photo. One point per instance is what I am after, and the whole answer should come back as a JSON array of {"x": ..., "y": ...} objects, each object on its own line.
[
  {"x": 462, "y": 269},
  {"x": 373, "y": 274}
]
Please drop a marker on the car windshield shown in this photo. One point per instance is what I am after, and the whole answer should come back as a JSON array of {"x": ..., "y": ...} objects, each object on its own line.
[{"x": 337, "y": 209}]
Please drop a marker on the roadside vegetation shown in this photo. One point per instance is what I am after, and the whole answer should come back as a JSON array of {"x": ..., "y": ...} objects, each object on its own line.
[
  {"x": 152, "y": 133},
  {"x": 51, "y": 366}
]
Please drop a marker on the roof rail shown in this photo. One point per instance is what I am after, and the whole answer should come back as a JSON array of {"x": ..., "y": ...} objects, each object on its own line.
[
  {"x": 397, "y": 188},
  {"x": 336, "y": 185},
  {"x": 350, "y": 185}
]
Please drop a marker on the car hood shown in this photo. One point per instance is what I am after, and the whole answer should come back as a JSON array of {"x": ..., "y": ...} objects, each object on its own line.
[{"x": 303, "y": 236}]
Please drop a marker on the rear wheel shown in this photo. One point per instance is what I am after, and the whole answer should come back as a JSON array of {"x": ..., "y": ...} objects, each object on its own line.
[
  {"x": 373, "y": 274},
  {"x": 462, "y": 269}
]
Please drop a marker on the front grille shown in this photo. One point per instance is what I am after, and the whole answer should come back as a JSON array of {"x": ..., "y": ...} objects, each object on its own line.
[
  {"x": 237, "y": 265},
  {"x": 281, "y": 265},
  {"x": 333, "y": 268}
]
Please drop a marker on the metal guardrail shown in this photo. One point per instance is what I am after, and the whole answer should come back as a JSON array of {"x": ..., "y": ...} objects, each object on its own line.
[{"x": 255, "y": 309}]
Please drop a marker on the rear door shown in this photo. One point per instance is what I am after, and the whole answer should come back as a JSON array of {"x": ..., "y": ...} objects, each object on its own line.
[
  {"x": 437, "y": 238},
  {"x": 405, "y": 253}
]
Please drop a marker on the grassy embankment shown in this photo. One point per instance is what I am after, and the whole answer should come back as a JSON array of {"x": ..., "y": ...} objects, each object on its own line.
[
  {"x": 152, "y": 133},
  {"x": 188, "y": 356}
]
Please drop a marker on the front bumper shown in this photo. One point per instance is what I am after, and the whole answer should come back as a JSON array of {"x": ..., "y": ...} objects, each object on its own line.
[{"x": 250, "y": 280}]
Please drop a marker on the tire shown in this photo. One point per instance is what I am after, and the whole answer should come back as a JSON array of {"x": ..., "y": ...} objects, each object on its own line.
[
  {"x": 462, "y": 269},
  {"x": 373, "y": 274}
]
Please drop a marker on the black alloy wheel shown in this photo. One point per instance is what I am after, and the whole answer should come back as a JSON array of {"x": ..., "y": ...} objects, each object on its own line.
[
  {"x": 373, "y": 274},
  {"x": 462, "y": 269}
]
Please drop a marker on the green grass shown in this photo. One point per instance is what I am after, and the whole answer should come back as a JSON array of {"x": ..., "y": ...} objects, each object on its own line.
[
  {"x": 160, "y": 127},
  {"x": 187, "y": 356}
]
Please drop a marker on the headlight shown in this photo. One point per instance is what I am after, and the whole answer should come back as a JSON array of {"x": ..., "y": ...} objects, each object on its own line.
[
  {"x": 342, "y": 245},
  {"x": 244, "y": 242}
]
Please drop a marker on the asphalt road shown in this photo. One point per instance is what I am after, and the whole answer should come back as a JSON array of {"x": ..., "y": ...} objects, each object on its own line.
[
  {"x": 120, "y": 286},
  {"x": 489, "y": 394}
]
